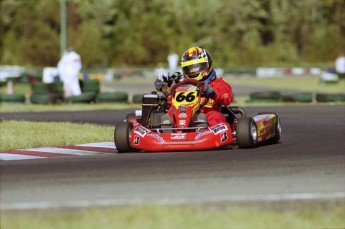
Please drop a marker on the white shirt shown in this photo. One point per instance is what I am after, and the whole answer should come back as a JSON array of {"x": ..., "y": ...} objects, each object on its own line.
[
  {"x": 173, "y": 61},
  {"x": 340, "y": 64},
  {"x": 69, "y": 66}
]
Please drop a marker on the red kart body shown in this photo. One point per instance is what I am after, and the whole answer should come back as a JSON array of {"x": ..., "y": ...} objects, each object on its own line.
[
  {"x": 184, "y": 131},
  {"x": 148, "y": 140}
]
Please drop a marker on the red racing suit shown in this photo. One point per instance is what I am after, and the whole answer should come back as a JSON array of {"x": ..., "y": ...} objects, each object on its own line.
[{"x": 223, "y": 96}]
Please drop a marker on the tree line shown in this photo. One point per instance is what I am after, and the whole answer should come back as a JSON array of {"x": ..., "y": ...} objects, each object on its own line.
[{"x": 139, "y": 33}]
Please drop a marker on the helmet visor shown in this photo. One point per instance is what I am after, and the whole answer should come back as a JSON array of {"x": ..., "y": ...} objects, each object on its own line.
[{"x": 193, "y": 71}]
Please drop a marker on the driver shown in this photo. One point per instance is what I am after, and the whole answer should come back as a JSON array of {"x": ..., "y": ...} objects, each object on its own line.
[{"x": 197, "y": 64}]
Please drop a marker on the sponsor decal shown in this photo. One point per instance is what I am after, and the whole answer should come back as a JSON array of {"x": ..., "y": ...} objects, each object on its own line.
[
  {"x": 136, "y": 140},
  {"x": 210, "y": 103},
  {"x": 182, "y": 115},
  {"x": 183, "y": 108},
  {"x": 178, "y": 136},
  {"x": 267, "y": 129},
  {"x": 156, "y": 136},
  {"x": 142, "y": 131},
  {"x": 182, "y": 122},
  {"x": 220, "y": 128},
  {"x": 264, "y": 118},
  {"x": 224, "y": 137},
  {"x": 202, "y": 134}
]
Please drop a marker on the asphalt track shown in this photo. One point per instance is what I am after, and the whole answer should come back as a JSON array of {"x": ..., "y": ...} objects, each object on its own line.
[{"x": 308, "y": 164}]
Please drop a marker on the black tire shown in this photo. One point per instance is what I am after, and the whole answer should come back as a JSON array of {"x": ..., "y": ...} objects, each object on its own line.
[
  {"x": 272, "y": 96},
  {"x": 122, "y": 137},
  {"x": 56, "y": 87},
  {"x": 137, "y": 98},
  {"x": 112, "y": 97},
  {"x": 86, "y": 97},
  {"x": 40, "y": 88},
  {"x": 46, "y": 98},
  {"x": 302, "y": 97},
  {"x": 40, "y": 99},
  {"x": 325, "y": 97},
  {"x": 12, "y": 98},
  {"x": 90, "y": 86},
  {"x": 246, "y": 133}
]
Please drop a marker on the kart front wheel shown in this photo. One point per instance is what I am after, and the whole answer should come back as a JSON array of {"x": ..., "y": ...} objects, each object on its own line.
[
  {"x": 246, "y": 133},
  {"x": 122, "y": 137}
]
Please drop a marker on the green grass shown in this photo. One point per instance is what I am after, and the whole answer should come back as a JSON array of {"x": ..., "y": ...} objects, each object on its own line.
[
  {"x": 25, "y": 134},
  {"x": 302, "y": 83},
  {"x": 178, "y": 216}
]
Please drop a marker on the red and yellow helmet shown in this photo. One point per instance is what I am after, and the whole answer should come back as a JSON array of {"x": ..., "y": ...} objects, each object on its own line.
[{"x": 196, "y": 63}]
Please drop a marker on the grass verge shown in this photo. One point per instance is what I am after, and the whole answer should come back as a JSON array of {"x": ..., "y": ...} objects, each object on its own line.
[
  {"x": 178, "y": 216},
  {"x": 301, "y": 83},
  {"x": 25, "y": 134}
]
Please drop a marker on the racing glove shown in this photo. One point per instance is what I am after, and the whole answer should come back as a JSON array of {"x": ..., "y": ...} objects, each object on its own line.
[
  {"x": 174, "y": 78},
  {"x": 161, "y": 86},
  {"x": 208, "y": 91},
  {"x": 177, "y": 77}
]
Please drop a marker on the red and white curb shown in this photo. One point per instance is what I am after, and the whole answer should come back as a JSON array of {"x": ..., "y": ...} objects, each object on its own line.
[{"x": 63, "y": 151}]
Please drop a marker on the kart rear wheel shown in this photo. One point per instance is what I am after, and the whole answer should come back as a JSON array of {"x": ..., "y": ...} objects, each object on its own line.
[
  {"x": 246, "y": 133},
  {"x": 122, "y": 137}
]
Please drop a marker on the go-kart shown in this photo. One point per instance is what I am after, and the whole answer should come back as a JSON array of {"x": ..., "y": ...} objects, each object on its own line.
[{"x": 153, "y": 130}]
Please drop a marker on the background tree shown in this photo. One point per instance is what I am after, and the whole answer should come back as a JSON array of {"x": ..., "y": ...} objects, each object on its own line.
[{"x": 140, "y": 33}]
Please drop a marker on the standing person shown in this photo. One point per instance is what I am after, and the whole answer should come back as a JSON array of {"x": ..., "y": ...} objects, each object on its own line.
[
  {"x": 173, "y": 61},
  {"x": 340, "y": 66},
  {"x": 69, "y": 67},
  {"x": 197, "y": 64}
]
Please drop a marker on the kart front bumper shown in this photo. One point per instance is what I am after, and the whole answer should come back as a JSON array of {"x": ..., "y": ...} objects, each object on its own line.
[{"x": 214, "y": 137}]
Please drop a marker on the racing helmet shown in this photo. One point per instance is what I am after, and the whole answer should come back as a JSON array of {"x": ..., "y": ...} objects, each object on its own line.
[{"x": 196, "y": 63}]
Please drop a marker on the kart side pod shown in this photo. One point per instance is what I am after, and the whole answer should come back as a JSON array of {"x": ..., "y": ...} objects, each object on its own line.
[{"x": 264, "y": 127}]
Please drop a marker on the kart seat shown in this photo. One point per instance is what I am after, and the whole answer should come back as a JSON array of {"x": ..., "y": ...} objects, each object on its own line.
[{"x": 231, "y": 113}]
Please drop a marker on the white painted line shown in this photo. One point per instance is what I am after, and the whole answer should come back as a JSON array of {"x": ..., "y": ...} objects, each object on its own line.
[
  {"x": 63, "y": 151},
  {"x": 280, "y": 197},
  {"x": 166, "y": 201},
  {"x": 7, "y": 156},
  {"x": 100, "y": 144}
]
